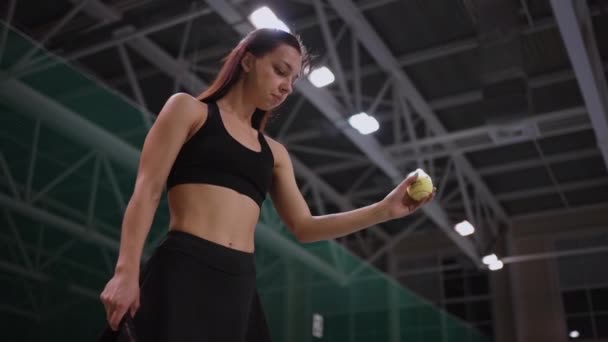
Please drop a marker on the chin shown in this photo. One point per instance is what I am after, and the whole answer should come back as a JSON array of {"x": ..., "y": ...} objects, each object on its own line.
[{"x": 268, "y": 106}]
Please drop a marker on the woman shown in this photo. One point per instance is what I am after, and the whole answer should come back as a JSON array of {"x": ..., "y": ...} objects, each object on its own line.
[{"x": 199, "y": 284}]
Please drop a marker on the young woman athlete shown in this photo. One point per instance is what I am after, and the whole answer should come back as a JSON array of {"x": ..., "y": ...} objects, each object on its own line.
[{"x": 211, "y": 154}]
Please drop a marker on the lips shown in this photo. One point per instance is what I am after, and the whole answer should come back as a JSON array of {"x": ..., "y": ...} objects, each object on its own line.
[{"x": 277, "y": 97}]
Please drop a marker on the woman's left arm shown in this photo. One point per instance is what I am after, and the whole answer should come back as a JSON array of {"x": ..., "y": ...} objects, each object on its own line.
[{"x": 294, "y": 211}]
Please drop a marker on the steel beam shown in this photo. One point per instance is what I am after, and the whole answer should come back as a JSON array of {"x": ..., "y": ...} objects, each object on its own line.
[
  {"x": 57, "y": 222},
  {"x": 580, "y": 42},
  {"x": 75, "y": 127},
  {"x": 328, "y": 106},
  {"x": 154, "y": 54},
  {"x": 565, "y": 121},
  {"x": 77, "y": 289},
  {"x": 380, "y": 52}
]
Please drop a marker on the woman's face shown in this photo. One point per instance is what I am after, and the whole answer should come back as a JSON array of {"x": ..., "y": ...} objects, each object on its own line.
[{"x": 272, "y": 76}]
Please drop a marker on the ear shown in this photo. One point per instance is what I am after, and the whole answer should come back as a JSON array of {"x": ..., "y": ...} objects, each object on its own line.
[{"x": 247, "y": 61}]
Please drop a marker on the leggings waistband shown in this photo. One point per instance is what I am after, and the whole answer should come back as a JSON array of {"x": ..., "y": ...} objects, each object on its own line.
[{"x": 210, "y": 253}]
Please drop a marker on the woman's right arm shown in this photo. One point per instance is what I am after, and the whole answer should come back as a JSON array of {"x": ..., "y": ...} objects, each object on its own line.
[{"x": 180, "y": 114}]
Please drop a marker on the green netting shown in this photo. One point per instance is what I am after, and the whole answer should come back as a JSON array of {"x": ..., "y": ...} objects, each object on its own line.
[{"x": 295, "y": 281}]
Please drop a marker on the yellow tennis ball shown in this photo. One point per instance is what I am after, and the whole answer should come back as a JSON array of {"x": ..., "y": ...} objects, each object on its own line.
[{"x": 421, "y": 188}]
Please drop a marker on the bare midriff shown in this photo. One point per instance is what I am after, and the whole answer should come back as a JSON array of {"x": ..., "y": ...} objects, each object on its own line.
[{"x": 214, "y": 213}]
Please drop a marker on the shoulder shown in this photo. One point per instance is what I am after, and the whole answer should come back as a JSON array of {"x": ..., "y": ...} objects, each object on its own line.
[
  {"x": 279, "y": 151},
  {"x": 183, "y": 106},
  {"x": 187, "y": 103}
]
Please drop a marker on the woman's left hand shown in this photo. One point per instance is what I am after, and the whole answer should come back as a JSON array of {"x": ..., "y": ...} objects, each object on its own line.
[{"x": 398, "y": 203}]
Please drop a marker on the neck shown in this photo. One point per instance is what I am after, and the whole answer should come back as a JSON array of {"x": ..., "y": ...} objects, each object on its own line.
[{"x": 237, "y": 102}]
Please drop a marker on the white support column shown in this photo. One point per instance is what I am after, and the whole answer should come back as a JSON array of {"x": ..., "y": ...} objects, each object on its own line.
[
  {"x": 576, "y": 28},
  {"x": 394, "y": 319}
]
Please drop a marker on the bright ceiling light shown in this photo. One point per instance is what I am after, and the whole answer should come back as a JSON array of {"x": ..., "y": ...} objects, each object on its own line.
[
  {"x": 464, "y": 228},
  {"x": 264, "y": 17},
  {"x": 496, "y": 265},
  {"x": 488, "y": 259},
  {"x": 321, "y": 77},
  {"x": 574, "y": 334},
  {"x": 364, "y": 123}
]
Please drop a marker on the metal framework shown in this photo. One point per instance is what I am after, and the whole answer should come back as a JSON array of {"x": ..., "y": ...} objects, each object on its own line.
[{"x": 398, "y": 101}]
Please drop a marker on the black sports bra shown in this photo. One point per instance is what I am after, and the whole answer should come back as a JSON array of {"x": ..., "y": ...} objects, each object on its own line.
[{"x": 213, "y": 156}]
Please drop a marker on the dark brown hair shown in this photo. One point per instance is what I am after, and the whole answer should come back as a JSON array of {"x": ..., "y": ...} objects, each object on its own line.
[{"x": 258, "y": 42}]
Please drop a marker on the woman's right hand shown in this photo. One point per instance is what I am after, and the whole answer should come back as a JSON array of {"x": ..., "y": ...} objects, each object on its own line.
[{"x": 120, "y": 294}]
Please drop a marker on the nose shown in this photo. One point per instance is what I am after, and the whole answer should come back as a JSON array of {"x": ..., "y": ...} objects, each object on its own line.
[{"x": 286, "y": 88}]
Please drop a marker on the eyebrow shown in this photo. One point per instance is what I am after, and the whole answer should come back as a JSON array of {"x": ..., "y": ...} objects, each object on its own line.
[{"x": 288, "y": 65}]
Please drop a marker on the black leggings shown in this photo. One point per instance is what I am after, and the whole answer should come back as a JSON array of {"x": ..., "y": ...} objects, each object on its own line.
[{"x": 194, "y": 290}]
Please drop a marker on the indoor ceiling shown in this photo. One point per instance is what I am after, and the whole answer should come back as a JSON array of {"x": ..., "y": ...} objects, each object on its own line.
[{"x": 487, "y": 101}]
